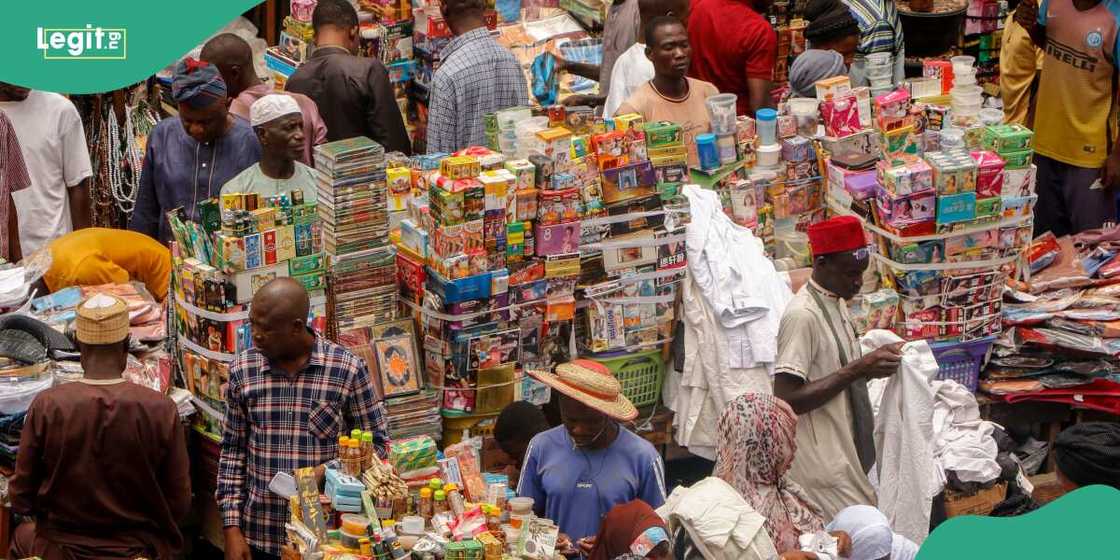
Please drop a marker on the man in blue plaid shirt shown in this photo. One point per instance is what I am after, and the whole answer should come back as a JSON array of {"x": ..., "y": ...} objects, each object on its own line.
[
  {"x": 289, "y": 399},
  {"x": 476, "y": 76}
]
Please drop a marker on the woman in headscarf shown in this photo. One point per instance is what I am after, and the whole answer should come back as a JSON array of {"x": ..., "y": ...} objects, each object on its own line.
[
  {"x": 871, "y": 535},
  {"x": 757, "y": 441},
  {"x": 833, "y": 37},
  {"x": 812, "y": 66},
  {"x": 631, "y": 530}
]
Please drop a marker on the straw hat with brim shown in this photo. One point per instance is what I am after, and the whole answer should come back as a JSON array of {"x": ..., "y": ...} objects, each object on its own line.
[
  {"x": 102, "y": 319},
  {"x": 592, "y": 384}
]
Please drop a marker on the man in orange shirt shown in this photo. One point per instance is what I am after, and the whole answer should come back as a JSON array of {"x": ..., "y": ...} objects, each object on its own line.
[{"x": 93, "y": 256}]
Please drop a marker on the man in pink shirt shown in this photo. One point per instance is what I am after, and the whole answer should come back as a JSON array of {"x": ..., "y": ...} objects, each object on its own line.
[{"x": 234, "y": 59}]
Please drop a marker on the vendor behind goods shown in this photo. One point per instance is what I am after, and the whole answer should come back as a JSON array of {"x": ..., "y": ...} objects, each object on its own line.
[
  {"x": 102, "y": 465},
  {"x": 593, "y": 463},
  {"x": 821, "y": 375}
]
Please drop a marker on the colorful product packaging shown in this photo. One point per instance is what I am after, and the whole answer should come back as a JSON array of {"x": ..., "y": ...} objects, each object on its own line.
[
  {"x": 906, "y": 175},
  {"x": 956, "y": 208},
  {"x": 834, "y": 87},
  {"x": 907, "y": 210},
  {"x": 989, "y": 174},
  {"x": 1019, "y": 182},
  {"x": 413, "y": 454},
  {"x": 1007, "y": 138},
  {"x": 841, "y": 116},
  {"x": 954, "y": 171}
]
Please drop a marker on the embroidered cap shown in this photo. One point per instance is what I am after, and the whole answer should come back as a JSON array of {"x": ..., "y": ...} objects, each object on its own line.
[{"x": 102, "y": 319}]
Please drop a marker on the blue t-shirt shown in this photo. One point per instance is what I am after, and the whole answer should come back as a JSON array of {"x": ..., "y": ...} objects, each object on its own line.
[{"x": 577, "y": 487}]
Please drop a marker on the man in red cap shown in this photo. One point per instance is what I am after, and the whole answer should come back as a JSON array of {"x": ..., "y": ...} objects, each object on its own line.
[{"x": 821, "y": 374}]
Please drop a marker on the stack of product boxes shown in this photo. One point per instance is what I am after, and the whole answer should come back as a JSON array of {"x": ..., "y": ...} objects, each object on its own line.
[
  {"x": 962, "y": 204},
  {"x": 493, "y": 253},
  {"x": 353, "y": 196},
  {"x": 244, "y": 241}
]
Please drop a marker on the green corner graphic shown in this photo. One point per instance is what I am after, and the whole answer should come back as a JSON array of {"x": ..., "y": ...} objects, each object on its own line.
[
  {"x": 155, "y": 34},
  {"x": 1072, "y": 526}
]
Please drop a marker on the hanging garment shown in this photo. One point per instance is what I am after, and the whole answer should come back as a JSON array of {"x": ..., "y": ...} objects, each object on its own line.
[
  {"x": 719, "y": 523},
  {"x": 904, "y": 441},
  {"x": 732, "y": 302}
]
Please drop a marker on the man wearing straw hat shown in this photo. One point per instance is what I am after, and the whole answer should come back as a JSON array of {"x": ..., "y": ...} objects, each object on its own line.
[
  {"x": 102, "y": 465},
  {"x": 591, "y": 461},
  {"x": 820, "y": 373}
]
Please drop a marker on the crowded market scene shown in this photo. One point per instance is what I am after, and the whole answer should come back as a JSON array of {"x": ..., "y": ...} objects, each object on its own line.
[{"x": 544, "y": 279}]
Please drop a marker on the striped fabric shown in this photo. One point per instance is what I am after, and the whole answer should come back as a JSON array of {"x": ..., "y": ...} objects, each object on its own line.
[
  {"x": 278, "y": 423},
  {"x": 13, "y": 176},
  {"x": 879, "y": 27}
]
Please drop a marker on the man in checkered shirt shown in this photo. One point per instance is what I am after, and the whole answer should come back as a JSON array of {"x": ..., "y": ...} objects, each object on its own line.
[
  {"x": 288, "y": 400},
  {"x": 476, "y": 76}
]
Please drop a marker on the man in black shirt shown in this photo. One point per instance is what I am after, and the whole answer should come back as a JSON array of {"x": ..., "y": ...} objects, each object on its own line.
[{"x": 353, "y": 94}]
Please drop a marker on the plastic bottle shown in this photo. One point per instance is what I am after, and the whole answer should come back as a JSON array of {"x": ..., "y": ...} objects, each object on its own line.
[
  {"x": 353, "y": 466},
  {"x": 392, "y": 545},
  {"x": 435, "y": 484},
  {"x": 454, "y": 499},
  {"x": 343, "y": 445},
  {"x": 367, "y": 451},
  {"x": 356, "y": 434},
  {"x": 440, "y": 502},
  {"x": 379, "y": 550},
  {"x": 493, "y": 519},
  {"x": 426, "y": 505}
]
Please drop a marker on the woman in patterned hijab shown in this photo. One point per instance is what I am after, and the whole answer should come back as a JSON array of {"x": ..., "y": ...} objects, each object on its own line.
[{"x": 757, "y": 441}]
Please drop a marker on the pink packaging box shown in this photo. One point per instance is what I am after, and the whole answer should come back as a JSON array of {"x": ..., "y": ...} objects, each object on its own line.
[
  {"x": 841, "y": 116},
  {"x": 989, "y": 174}
]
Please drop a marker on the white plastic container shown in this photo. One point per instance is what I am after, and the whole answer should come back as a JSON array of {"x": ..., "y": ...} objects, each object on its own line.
[
  {"x": 806, "y": 112},
  {"x": 768, "y": 155},
  {"x": 952, "y": 138}
]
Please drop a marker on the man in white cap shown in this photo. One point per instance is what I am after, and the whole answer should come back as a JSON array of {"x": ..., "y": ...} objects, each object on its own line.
[
  {"x": 278, "y": 122},
  {"x": 102, "y": 465},
  {"x": 593, "y": 463}
]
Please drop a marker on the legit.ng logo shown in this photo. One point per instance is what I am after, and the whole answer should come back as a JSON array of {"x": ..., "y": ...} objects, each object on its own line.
[{"x": 88, "y": 43}]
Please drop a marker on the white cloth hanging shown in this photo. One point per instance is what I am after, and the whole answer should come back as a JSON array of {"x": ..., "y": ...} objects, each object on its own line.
[
  {"x": 904, "y": 441},
  {"x": 924, "y": 428},
  {"x": 732, "y": 302}
]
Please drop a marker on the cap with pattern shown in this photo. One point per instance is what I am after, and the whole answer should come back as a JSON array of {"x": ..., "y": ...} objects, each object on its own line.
[{"x": 102, "y": 319}]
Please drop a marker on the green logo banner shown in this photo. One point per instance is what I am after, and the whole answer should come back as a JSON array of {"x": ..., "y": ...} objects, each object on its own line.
[
  {"x": 1077, "y": 525},
  {"x": 84, "y": 46}
]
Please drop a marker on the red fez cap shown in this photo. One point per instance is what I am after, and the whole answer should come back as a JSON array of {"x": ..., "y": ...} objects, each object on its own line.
[{"x": 836, "y": 235}]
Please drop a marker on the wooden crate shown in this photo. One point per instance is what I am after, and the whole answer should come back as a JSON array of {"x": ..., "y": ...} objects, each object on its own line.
[{"x": 980, "y": 503}]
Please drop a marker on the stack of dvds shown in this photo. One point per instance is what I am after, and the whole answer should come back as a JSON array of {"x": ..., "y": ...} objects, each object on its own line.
[
  {"x": 351, "y": 195},
  {"x": 415, "y": 415},
  {"x": 364, "y": 285}
]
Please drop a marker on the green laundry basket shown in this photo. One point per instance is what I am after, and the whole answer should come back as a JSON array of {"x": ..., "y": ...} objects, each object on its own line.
[{"x": 640, "y": 373}]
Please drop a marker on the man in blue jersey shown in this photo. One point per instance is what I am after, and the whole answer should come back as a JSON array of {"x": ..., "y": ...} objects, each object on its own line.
[{"x": 592, "y": 463}]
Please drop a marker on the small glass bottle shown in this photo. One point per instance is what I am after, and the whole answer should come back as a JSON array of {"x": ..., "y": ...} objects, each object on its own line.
[
  {"x": 454, "y": 499},
  {"x": 356, "y": 434},
  {"x": 426, "y": 505},
  {"x": 367, "y": 451},
  {"x": 353, "y": 466},
  {"x": 343, "y": 447},
  {"x": 435, "y": 484},
  {"x": 439, "y": 504}
]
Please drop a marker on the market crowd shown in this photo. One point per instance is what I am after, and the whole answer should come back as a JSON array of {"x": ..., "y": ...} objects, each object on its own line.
[{"x": 102, "y": 470}]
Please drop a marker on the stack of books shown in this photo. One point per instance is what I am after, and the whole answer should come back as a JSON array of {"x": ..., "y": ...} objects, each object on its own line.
[{"x": 351, "y": 195}]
